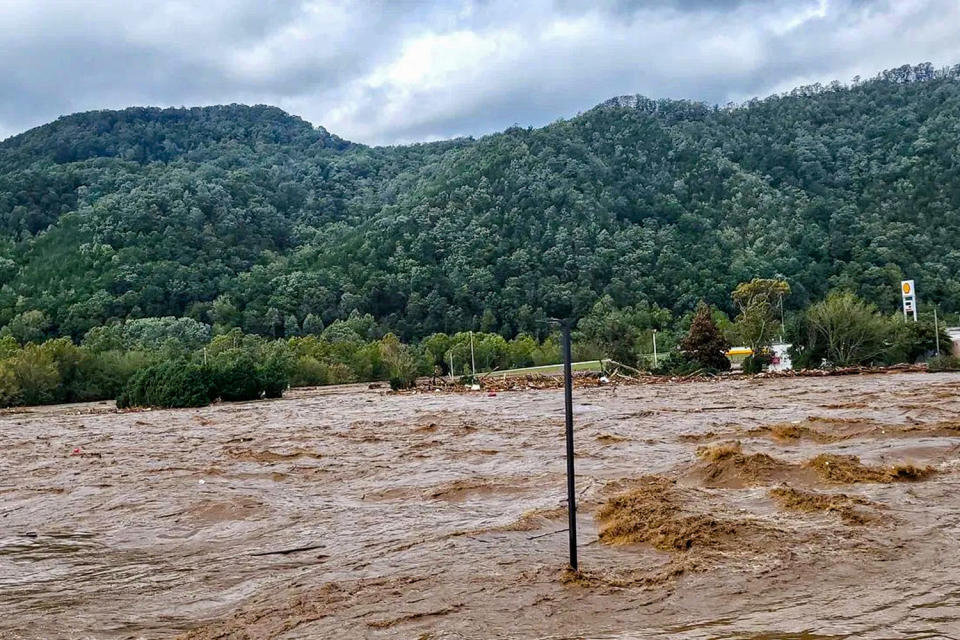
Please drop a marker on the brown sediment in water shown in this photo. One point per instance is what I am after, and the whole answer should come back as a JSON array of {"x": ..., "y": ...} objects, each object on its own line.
[
  {"x": 697, "y": 437},
  {"x": 224, "y": 511},
  {"x": 726, "y": 465},
  {"x": 825, "y": 429},
  {"x": 813, "y": 428},
  {"x": 459, "y": 489},
  {"x": 408, "y": 617},
  {"x": 249, "y": 455},
  {"x": 580, "y": 578},
  {"x": 472, "y": 487},
  {"x": 820, "y": 429},
  {"x": 789, "y": 432},
  {"x": 949, "y": 428},
  {"x": 835, "y": 420},
  {"x": 849, "y": 508},
  {"x": 533, "y": 519},
  {"x": 844, "y": 469},
  {"x": 718, "y": 452},
  {"x": 270, "y": 619},
  {"x": 654, "y": 513},
  {"x": 670, "y": 571},
  {"x": 845, "y": 405},
  {"x": 609, "y": 438},
  {"x": 229, "y": 570},
  {"x": 450, "y": 491}
]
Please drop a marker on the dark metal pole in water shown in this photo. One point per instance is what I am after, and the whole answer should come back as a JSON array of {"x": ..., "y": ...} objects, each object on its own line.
[{"x": 568, "y": 407}]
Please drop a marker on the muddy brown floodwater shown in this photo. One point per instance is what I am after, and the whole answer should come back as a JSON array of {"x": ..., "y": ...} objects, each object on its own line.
[{"x": 777, "y": 508}]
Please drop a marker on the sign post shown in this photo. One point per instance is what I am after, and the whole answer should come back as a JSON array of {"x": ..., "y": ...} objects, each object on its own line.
[{"x": 908, "y": 293}]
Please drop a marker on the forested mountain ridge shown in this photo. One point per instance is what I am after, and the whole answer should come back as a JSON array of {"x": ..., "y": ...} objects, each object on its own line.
[
  {"x": 246, "y": 216},
  {"x": 151, "y": 134}
]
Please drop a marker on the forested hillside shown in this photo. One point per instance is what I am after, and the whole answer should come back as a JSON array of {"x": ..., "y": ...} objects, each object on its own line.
[{"x": 249, "y": 217}]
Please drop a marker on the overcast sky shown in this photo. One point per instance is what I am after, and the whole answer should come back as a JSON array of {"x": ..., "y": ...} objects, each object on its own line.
[{"x": 385, "y": 71}]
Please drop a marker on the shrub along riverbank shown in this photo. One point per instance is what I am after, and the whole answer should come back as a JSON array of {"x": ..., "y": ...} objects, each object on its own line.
[{"x": 179, "y": 362}]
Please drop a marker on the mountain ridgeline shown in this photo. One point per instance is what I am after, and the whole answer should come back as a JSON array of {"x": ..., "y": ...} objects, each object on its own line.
[{"x": 249, "y": 217}]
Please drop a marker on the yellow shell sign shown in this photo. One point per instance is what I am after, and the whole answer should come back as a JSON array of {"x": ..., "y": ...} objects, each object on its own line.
[{"x": 906, "y": 288}]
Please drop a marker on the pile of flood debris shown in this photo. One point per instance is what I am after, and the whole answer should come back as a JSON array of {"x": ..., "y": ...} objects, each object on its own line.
[
  {"x": 495, "y": 383},
  {"x": 843, "y": 371}
]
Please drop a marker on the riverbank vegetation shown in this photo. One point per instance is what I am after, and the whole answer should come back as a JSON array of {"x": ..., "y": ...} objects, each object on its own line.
[{"x": 167, "y": 362}]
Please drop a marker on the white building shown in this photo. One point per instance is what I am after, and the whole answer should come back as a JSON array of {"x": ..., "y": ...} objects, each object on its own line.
[{"x": 781, "y": 357}]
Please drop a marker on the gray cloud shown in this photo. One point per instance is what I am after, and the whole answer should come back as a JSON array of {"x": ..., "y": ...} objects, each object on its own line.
[{"x": 398, "y": 71}]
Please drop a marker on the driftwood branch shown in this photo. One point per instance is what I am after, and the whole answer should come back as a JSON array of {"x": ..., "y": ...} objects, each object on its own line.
[
  {"x": 488, "y": 373},
  {"x": 627, "y": 367},
  {"x": 543, "y": 535},
  {"x": 286, "y": 552}
]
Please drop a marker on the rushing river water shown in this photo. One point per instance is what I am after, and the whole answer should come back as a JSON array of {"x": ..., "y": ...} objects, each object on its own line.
[{"x": 348, "y": 513}]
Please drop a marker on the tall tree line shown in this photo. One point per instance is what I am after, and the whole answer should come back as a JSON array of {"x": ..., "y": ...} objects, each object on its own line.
[{"x": 248, "y": 217}]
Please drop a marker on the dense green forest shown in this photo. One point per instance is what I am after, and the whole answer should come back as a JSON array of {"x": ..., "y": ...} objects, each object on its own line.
[{"x": 248, "y": 217}]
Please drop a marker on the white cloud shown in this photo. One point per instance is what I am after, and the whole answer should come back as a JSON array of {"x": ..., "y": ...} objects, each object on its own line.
[{"x": 381, "y": 71}]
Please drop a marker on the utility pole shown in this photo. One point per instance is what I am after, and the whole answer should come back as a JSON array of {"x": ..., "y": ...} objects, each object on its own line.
[
  {"x": 781, "y": 318},
  {"x": 568, "y": 411},
  {"x": 655, "y": 349},
  {"x": 451, "y": 365},
  {"x": 473, "y": 362},
  {"x": 936, "y": 328}
]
